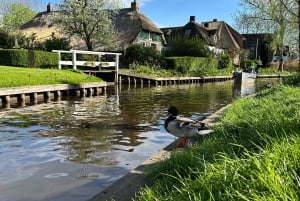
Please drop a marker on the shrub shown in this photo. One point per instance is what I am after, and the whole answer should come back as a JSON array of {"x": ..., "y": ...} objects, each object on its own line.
[
  {"x": 55, "y": 43},
  {"x": 183, "y": 46},
  {"x": 245, "y": 63},
  {"x": 191, "y": 65},
  {"x": 292, "y": 80},
  {"x": 139, "y": 55},
  {"x": 45, "y": 59},
  {"x": 6, "y": 41},
  {"x": 224, "y": 61},
  {"x": 26, "y": 58},
  {"x": 14, "y": 57}
]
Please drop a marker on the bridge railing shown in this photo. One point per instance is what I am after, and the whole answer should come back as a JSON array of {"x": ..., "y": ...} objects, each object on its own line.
[{"x": 97, "y": 64}]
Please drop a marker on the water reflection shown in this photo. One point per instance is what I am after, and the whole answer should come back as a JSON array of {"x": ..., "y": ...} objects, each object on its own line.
[{"x": 97, "y": 139}]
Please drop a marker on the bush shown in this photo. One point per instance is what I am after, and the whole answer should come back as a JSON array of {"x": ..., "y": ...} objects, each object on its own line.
[
  {"x": 55, "y": 43},
  {"x": 139, "y": 55},
  {"x": 183, "y": 46},
  {"x": 6, "y": 41},
  {"x": 245, "y": 63},
  {"x": 14, "y": 57},
  {"x": 224, "y": 61},
  {"x": 26, "y": 58},
  {"x": 191, "y": 65},
  {"x": 292, "y": 80},
  {"x": 45, "y": 59}
]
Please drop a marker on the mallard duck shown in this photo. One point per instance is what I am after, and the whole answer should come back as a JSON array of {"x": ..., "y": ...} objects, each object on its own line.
[{"x": 183, "y": 127}]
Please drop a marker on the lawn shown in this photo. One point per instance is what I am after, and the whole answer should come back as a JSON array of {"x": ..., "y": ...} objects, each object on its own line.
[{"x": 14, "y": 77}]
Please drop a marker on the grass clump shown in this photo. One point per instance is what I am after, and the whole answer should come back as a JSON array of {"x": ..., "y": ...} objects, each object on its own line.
[
  {"x": 15, "y": 77},
  {"x": 254, "y": 154}
]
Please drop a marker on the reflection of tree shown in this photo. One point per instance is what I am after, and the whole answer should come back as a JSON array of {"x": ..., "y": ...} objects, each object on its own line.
[{"x": 89, "y": 130}]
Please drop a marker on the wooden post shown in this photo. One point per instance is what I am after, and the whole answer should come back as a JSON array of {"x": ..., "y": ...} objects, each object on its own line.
[
  {"x": 74, "y": 59},
  {"x": 57, "y": 95},
  {"x": 33, "y": 98},
  {"x": 21, "y": 100},
  {"x": 117, "y": 68},
  {"x": 59, "y": 59},
  {"x": 47, "y": 96}
]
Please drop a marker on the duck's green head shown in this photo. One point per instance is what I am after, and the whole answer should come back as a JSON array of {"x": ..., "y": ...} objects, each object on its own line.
[{"x": 173, "y": 111}]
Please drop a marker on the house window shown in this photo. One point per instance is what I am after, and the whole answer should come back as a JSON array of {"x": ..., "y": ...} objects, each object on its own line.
[
  {"x": 144, "y": 35},
  {"x": 156, "y": 37},
  {"x": 143, "y": 43},
  {"x": 154, "y": 45},
  {"x": 187, "y": 32}
]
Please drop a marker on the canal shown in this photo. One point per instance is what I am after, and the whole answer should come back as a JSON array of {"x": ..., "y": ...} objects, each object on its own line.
[{"x": 72, "y": 149}]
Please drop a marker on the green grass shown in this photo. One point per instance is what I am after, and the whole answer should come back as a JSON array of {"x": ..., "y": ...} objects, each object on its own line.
[
  {"x": 152, "y": 72},
  {"x": 254, "y": 154},
  {"x": 14, "y": 77}
]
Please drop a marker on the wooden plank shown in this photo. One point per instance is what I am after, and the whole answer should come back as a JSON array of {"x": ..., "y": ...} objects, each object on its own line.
[{"x": 46, "y": 88}]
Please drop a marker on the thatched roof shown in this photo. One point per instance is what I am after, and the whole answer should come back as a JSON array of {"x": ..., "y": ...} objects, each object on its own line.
[
  {"x": 41, "y": 25},
  {"x": 228, "y": 37},
  {"x": 129, "y": 22}
]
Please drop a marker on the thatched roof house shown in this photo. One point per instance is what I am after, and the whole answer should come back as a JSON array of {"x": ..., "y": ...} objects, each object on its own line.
[
  {"x": 132, "y": 28},
  {"x": 218, "y": 34}
]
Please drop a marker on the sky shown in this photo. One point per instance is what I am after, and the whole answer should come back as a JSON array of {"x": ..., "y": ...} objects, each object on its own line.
[{"x": 172, "y": 13}]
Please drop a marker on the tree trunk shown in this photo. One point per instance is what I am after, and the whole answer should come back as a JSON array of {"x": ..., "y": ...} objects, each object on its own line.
[
  {"x": 280, "y": 67},
  {"x": 89, "y": 44}
]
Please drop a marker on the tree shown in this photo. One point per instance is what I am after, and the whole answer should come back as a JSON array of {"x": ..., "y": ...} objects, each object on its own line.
[
  {"x": 274, "y": 16},
  {"x": 90, "y": 20},
  {"x": 16, "y": 15}
]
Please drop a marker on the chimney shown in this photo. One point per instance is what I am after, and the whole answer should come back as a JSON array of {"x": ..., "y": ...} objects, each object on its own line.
[
  {"x": 192, "y": 18},
  {"x": 49, "y": 7},
  {"x": 215, "y": 20},
  {"x": 135, "y": 6}
]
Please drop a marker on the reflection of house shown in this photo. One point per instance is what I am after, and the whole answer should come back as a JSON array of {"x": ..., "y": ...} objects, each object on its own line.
[
  {"x": 219, "y": 35},
  {"x": 132, "y": 28}
]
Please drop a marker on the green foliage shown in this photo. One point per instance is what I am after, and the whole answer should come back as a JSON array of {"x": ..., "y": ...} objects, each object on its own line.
[
  {"x": 224, "y": 61},
  {"x": 246, "y": 63},
  {"x": 45, "y": 59},
  {"x": 292, "y": 80},
  {"x": 196, "y": 66},
  {"x": 252, "y": 155},
  {"x": 183, "y": 46},
  {"x": 14, "y": 57},
  {"x": 17, "y": 15},
  {"x": 55, "y": 43},
  {"x": 139, "y": 55},
  {"x": 6, "y": 41},
  {"x": 15, "y": 77},
  {"x": 26, "y": 58}
]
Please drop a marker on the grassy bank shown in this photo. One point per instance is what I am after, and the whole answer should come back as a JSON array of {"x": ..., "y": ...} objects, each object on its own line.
[
  {"x": 14, "y": 77},
  {"x": 254, "y": 154},
  {"x": 152, "y": 72}
]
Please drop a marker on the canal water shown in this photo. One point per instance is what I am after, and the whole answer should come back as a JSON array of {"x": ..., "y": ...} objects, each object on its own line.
[{"x": 72, "y": 149}]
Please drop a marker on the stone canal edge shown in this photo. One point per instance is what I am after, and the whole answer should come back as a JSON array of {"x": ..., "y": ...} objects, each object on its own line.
[{"x": 127, "y": 187}]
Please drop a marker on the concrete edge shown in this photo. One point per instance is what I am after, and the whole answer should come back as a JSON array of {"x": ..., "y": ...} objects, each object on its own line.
[{"x": 127, "y": 187}]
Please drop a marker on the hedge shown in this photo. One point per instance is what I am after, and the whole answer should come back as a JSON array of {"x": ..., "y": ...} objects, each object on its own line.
[
  {"x": 198, "y": 65},
  {"x": 45, "y": 59},
  {"x": 28, "y": 58},
  {"x": 14, "y": 57}
]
